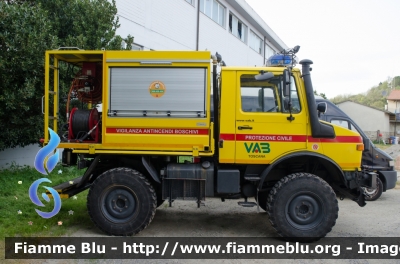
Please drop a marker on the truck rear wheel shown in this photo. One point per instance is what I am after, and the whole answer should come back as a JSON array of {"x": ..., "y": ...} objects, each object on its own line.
[
  {"x": 303, "y": 207},
  {"x": 261, "y": 198},
  {"x": 121, "y": 202},
  {"x": 374, "y": 194}
]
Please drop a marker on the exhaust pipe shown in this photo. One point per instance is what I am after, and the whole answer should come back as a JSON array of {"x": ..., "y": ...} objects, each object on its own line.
[{"x": 318, "y": 129}]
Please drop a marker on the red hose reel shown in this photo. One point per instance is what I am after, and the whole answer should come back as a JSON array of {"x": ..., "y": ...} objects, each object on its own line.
[{"x": 84, "y": 125}]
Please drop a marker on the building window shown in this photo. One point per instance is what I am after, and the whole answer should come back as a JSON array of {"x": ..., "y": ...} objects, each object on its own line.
[
  {"x": 214, "y": 10},
  {"x": 190, "y": 2},
  {"x": 237, "y": 28},
  {"x": 255, "y": 42}
]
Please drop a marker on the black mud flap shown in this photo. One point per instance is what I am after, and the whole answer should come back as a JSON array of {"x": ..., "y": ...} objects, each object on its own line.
[
  {"x": 361, "y": 198},
  {"x": 70, "y": 188}
]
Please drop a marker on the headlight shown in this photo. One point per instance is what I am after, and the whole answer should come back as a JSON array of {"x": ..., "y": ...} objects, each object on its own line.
[{"x": 391, "y": 163}]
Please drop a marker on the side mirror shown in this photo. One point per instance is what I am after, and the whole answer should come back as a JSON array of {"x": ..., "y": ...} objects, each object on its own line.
[
  {"x": 264, "y": 76},
  {"x": 321, "y": 108},
  {"x": 286, "y": 83}
]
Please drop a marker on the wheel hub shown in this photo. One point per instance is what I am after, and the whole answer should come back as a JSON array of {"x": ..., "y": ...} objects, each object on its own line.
[
  {"x": 369, "y": 191},
  {"x": 304, "y": 211},
  {"x": 119, "y": 204}
]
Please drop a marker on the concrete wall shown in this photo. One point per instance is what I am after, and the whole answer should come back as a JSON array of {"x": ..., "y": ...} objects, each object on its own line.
[
  {"x": 21, "y": 156},
  {"x": 159, "y": 25},
  {"x": 368, "y": 119}
]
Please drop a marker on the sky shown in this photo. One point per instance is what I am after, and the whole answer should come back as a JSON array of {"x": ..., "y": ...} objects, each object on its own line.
[{"x": 354, "y": 44}]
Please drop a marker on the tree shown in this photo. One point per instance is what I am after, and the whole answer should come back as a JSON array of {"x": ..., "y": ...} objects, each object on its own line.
[
  {"x": 86, "y": 24},
  {"x": 25, "y": 33},
  {"x": 374, "y": 97},
  {"x": 27, "y": 29},
  {"x": 320, "y": 94}
]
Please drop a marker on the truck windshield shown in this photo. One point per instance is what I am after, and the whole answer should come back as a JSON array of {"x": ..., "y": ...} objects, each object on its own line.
[{"x": 344, "y": 123}]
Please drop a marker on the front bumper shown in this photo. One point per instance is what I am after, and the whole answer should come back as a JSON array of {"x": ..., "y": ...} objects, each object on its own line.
[
  {"x": 368, "y": 180},
  {"x": 390, "y": 179}
]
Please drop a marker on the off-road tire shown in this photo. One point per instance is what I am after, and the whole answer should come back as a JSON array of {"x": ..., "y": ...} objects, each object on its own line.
[
  {"x": 160, "y": 201},
  {"x": 374, "y": 194},
  {"x": 302, "y": 207},
  {"x": 261, "y": 198},
  {"x": 121, "y": 202}
]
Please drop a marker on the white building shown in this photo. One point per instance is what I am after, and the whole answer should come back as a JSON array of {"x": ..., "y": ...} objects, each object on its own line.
[
  {"x": 230, "y": 27},
  {"x": 369, "y": 119}
]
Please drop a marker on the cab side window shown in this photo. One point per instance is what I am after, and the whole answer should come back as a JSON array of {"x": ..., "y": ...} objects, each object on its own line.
[
  {"x": 258, "y": 99},
  {"x": 267, "y": 96},
  {"x": 294, "y": 96}
]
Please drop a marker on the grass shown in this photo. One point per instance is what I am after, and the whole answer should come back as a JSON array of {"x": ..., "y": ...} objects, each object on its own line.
[
  {"x": 382, "y": 146},
  {"x": 14, "y": 197}
]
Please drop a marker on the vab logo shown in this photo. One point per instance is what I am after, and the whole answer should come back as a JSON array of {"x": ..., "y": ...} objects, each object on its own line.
[
  {"x": 257, "y": 147},
  {"x": 45, "y": 163}
]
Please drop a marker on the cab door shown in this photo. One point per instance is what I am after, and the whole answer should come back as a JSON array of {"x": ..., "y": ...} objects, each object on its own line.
[{"x": 264, "y": 129}]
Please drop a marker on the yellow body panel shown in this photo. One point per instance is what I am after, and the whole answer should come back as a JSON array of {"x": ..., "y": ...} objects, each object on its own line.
[
  {"x": 343, "y": 149},
  {"x": 268, "y": 137},
  {"x": 152, "y": 133},
  {"x": 271, "y": 136},
  {"x": 162, "y": 135}
]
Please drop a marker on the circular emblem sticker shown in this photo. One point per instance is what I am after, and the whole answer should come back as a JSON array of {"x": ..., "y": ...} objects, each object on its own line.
[
  {"x": 157, "y": 89},
  {"x": 315, "y": 147}
]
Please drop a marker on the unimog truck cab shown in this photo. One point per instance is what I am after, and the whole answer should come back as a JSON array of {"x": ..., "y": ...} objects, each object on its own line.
[{"x": 156, "y": 139}]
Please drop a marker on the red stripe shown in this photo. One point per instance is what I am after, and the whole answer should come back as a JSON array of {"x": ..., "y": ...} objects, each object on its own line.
[
  {"x": 157, "y": 131},
  {"x": 230, "y": 137},
  {"x": 258, "y": 137},
  {"x": 338, "y": 139},
  {"x": 289, "y": 138}
]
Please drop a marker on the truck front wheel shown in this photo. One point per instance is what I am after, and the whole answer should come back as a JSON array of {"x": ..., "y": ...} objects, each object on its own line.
[
  {"x": 303, "y": 207},
  {"x": 121, "y": 202}
]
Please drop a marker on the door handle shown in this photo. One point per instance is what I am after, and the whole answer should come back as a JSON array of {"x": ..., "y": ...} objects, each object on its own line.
[{"x": 244, "y": 127}]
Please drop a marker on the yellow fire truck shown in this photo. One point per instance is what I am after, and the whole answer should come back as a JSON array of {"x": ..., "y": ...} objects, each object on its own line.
[{"x": 181, "y": 125}]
